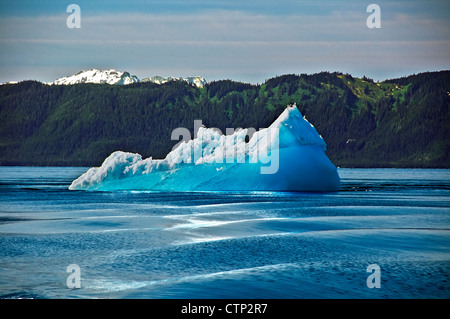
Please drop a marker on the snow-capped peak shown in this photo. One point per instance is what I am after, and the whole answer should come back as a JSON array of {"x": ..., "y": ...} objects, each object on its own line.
[
  {"x": 160, "y": 79},
  {"x": 113, "y": 76},
  {"x": 198, "y": 81},
  {"x": 97, "y": 76}
]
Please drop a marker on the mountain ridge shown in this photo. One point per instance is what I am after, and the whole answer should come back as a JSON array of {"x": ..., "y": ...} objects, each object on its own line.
[
  {"x": 115, "y": 77},
  {"x": 402, "y": 122}
]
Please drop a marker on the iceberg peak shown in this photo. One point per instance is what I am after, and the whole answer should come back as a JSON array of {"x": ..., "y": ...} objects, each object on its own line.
[{"x": 296, "y": 129}]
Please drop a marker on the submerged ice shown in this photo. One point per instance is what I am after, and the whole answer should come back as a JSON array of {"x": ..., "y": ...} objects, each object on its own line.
[{"x": 289, "y": 155}]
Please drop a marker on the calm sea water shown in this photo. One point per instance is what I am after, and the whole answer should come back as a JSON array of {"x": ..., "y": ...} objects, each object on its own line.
[{"x": 226, "y": 245}]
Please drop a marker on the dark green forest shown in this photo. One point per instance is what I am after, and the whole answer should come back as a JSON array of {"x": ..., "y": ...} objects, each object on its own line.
[{"x": 395, "y": 123}]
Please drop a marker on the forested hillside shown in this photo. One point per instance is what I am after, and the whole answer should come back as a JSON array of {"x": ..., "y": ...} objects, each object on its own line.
[{"x": 396, "y": 123}]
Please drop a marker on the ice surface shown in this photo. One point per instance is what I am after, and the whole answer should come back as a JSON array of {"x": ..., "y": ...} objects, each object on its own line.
[{"x": 287, "y": 156}]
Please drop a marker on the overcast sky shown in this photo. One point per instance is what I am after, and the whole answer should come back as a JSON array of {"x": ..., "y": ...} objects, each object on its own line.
[{"x": 242, "y": 40}]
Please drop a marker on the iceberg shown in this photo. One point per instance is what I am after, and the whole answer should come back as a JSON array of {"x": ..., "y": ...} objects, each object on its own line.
[{"x": 289, "y": 155}]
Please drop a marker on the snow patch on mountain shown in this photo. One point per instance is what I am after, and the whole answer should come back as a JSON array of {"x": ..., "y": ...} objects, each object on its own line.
[
  {"x": 97, "y": 76},
  {"x": 198, "y": 81}
]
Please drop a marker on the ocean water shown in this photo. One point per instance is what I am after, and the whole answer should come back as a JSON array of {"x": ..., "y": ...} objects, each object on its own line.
[{"x": 226, "y": 244}]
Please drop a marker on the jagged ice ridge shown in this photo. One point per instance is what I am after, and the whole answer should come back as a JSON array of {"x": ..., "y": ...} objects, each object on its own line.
[{"x": 289, "y": 155}]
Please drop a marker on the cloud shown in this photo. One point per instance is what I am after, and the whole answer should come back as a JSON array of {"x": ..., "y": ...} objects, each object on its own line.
[{"x": 224, "y": 44}]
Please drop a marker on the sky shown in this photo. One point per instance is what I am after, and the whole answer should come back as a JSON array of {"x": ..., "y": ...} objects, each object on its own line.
[{"x": 242, "y": 40}]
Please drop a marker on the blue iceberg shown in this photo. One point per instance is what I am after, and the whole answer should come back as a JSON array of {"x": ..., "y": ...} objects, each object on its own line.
[{"x": 289, "y": 155}]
